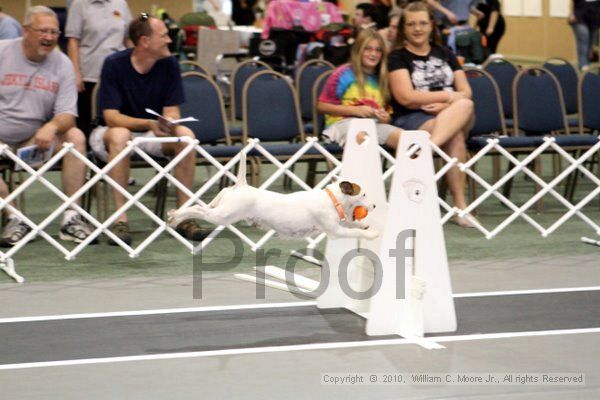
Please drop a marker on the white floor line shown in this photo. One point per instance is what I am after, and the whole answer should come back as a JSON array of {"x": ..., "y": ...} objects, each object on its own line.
[
  {"x": 158, "y": 311},
  {"x": 304, "y": 347},
  {"x": 264, "y": 305},
  {"x": 527, "y": 291}
]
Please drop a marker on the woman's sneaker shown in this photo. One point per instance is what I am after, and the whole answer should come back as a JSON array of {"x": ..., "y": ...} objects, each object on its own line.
[
  {"x": 76, "y": 230},
  {"x": 13, "y": 232}
]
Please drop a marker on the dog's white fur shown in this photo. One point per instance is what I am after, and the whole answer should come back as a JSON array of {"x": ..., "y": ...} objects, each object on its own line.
[{"x": 298, "y": 214}]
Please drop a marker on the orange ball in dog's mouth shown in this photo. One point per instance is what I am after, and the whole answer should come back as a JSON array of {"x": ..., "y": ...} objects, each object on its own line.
[{"x": 360, "y": 212}]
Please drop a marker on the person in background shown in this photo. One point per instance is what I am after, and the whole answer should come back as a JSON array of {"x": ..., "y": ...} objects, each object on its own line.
[
  {"x": 454, "y": 12},
  {"x": 96, "y": 29},
  {"x": 10, "y": 28},
  {"x": 383, "y": 8},
  {"x": 430, "y": 92},
  {"x": 360, "y": 90},
  {"x": 584, "y": 18},
  {"x": 242, "y": 12},
  {"x": 391, "y": 32},
  {"x": 492, "y": 24},
  {"x": 38, "y": 106},
  {"x": 365, "y": 16}
]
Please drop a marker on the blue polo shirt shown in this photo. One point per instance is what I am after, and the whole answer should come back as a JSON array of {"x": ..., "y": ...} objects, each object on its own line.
[{"x": 124, "y": 89}]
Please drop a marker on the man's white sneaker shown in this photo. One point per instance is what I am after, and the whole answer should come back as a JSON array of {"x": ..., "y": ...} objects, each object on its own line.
[
  {"x": 76, "y": 230},
  {"x": 13, "y": 232}
]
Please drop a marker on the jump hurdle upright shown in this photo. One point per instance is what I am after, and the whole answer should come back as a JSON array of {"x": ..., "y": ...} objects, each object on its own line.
[
  {"x": 397, "y": 289},
  {"x": 412, "y": 218}
]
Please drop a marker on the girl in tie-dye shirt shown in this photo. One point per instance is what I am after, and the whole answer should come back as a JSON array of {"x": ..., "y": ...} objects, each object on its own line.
[{"x": 360, "y": 90}]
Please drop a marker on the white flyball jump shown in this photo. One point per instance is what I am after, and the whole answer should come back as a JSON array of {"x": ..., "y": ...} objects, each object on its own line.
[
  {"x": 361, "y": 163},
  {"x": 399, "y": 282},
  {"x": 413, "y": 207}
]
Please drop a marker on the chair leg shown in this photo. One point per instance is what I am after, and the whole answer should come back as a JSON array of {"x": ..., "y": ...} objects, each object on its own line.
[
  {"x": 442, "y": 187},
  {"x": 287, "y": 181},
  {"x": 15, "y": 179},
  {"x": 507, "y": 187},
  {"x": 311, "y": 172},
  {"x": 95, "y": 194},
  {"x": 256, "y": 179},
  {"x": 472, "y": 185},
  {"x": 495, "y": 168},
  {"x": 539, "y": 205},
  {"x": 106, "y": 201},
  {"x": 161, "y": 198},
  {"x": 571, "y": 180}
]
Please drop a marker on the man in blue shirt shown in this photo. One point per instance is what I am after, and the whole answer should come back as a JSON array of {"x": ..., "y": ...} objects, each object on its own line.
[{"x": 132, "y": 80}]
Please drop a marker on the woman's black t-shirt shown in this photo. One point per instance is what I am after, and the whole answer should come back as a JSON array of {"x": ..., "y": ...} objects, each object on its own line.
[
  {"x": 587, "y": 11},
  {"x": 487, "y": 7},
  {"x": 429, "y": 73}
]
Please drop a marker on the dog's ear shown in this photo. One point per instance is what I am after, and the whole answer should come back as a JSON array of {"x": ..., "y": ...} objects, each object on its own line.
[{"x": 349, "y": 188}]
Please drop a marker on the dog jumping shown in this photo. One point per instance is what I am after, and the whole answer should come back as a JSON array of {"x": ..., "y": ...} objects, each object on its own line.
[{"x": 297, "y": 214}]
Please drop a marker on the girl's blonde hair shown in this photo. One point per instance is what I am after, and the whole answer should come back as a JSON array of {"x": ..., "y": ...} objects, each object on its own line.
[
  {"x": 358, "y": 48},
  {"x": 417, "y": 6}
]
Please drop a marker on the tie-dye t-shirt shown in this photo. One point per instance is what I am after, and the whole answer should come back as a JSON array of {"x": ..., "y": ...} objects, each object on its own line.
[{"x": 341, "y": 88}]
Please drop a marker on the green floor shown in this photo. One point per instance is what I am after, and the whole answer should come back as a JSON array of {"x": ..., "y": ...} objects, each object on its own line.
[{"x": 39, "y": 261}]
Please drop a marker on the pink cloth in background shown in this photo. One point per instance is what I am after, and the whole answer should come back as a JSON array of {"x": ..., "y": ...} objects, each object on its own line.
[{"x": 287, "y": 13}]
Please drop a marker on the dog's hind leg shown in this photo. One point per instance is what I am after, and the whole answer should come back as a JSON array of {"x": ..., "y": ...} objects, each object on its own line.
[
  {"x": 181, "y": 214},
  {"x": 220, "y": 215}
]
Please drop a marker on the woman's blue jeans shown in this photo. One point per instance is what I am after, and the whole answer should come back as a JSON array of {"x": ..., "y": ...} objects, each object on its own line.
[{"x": 584, "y": 37}]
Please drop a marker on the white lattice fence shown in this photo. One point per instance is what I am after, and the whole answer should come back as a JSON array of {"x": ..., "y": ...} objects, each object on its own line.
[{"x": 285, "y": 168}]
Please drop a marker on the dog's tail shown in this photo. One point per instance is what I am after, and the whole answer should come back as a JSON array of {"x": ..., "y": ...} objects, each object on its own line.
[{"x": 241, "y": 176}]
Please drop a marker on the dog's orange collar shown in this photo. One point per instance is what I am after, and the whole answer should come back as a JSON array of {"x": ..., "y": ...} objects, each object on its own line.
[{"x": 336, "y": 204}]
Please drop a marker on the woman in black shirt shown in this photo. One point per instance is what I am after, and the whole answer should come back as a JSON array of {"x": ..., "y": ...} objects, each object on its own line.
[
  {"x": 492, "y": 24},
  {"x": 584, "y": 18},
  {"x": 430, "y": 92}
]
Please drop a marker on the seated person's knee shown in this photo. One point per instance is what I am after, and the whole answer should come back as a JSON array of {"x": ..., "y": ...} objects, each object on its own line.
[
  {"x": 117, "y": 137},
  {"x": 75, "y": 136},
  {"x": 466, "y": 105},
  {"x": 184, "y": 131}
]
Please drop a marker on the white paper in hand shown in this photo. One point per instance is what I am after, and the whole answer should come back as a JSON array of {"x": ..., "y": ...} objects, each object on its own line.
[
  {"x": 33, "y": 156},
  {"x": 170, "y": 122}
]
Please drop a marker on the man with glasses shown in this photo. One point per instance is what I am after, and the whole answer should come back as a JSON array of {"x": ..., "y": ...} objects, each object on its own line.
[
  {"x": 132, "y": 80},
  {"x": 38, "y": 106}
]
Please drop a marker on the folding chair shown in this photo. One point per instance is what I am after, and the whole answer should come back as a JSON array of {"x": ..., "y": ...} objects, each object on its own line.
[
  {"x": 274, "y": 119},
  {"x": 503, "y": 72},
  {"x": 204, "y": 101},
  {"x": 305, "y": 79},
  {"x": 539, "y": 109},
  {"x": 239, "y": 76},
  {"x": 188, "y": 66},
  {"x": 318, "y": 119},
  {"x": 489, "y": 118},
  {"x": 318, "y": 123},
  {"x": 588, "y": 88},
  {"x": 567, "y": 77}
]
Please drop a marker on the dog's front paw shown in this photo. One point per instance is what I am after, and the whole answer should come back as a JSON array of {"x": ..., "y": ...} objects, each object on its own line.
[
  {"x": 172, "y": 218},
  {"x": 371, "y": 234}
]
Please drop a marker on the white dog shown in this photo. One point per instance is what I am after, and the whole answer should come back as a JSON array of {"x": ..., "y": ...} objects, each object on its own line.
[{"x": 298, "y": 214}]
